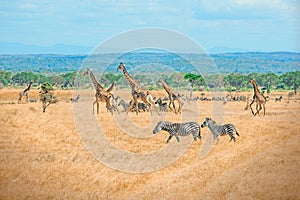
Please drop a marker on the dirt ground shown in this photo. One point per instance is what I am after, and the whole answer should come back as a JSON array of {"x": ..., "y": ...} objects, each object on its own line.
[{"x": 43, "y": 157}]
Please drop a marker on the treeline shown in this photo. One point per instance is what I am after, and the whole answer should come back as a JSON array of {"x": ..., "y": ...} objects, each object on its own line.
[
  {"x": 228, "y": 82},
  {"x": 7, "y": 78}
]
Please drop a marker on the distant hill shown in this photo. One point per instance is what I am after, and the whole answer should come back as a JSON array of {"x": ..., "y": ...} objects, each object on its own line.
[
  {"x": 247, "y": 62},
  {"x": 215, "y": 50},
  {"x": 19, "y": 48}
]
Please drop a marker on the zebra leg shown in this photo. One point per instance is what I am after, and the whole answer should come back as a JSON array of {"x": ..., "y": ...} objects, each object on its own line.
[
  {"x": 169, "y": 138},
  {"x": 116, "y": 109},
  {"x": 177, "y": 138},
  {"x": 232, "y": 137},
  {"x": 216, "y": 138},
  {"x": 196, "y": 135}
]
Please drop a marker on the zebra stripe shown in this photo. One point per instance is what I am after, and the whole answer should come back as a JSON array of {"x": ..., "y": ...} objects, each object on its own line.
[
  {"x": 217, "y": 130},
  {"x": 179, "y": 129}
]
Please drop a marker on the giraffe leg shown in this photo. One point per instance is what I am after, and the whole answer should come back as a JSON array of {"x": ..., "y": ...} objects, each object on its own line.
[
  {"x": 264, "y": 109},
  {"x": 26, "y": 95},
  {"x": 130, "y": 106},
  {"x": 259, "y": 109},
  {"x": 174, "y": 106},
  {"x": 94, "y": 106},
  {"x": 20, "y": 98},
  {"x": 109, "y": 106},
  {"x": 170, "y": 102},
  {"x": 180, "y": 106},
  {"x": 256, "y": 108},
  {"x": 136, "y": 106},
  {"x": 150, "y": 102},
  {"x": 251, "y": 107},
  {"x": 170, "y": 106}
]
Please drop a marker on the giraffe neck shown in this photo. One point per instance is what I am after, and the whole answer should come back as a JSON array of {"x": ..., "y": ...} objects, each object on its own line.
[
  {"x": 28, "y": 88},
  {"x": 96, "y": 84},
  {"x": 131, "y": 82},
  {"x": 255, "y": 87},
  {"x": 166, "y": 87}
]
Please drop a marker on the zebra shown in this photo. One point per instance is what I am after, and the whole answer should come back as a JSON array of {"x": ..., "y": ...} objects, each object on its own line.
[
  {"x": 163, "y": 106},
  {"x": 125, "y": 106},
  {"x": 178, "y": 129},
  {"x": 75, "y": 99},
  {"x": 278, "y": 99},
  {"x": 217, "y": 130}
]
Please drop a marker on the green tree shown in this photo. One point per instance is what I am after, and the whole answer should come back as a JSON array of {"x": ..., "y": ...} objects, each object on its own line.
[
  {"x": 5, "y": 77},
  {"x": 292, "y": 80},
  {"x": 46, "y": 95},
  {"x": 22, "y": 78}
]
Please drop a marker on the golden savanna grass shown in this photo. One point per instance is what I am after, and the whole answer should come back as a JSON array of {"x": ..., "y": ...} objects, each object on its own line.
[{"x": 42, "y": 156}]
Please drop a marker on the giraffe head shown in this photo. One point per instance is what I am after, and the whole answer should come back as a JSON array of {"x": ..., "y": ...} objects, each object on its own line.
[
  {"x": 88, "y": 70},
  {"x": 252, "y": 81},
  {"x": 121, "y": 67},
  {"x": 159, "y": 81}
]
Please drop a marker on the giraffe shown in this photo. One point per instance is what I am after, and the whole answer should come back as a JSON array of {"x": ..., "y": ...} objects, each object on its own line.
[
  {"x": 136, "y": 92},
  {"x": 25, "y": 92},
  {"x": 258, "y": 98},
  {"x": 101, "y": 95},
  {"x": 172, "y": 96}
]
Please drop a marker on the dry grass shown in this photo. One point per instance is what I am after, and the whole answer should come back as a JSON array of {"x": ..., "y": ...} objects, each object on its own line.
[{"x": 42, "y": 156}]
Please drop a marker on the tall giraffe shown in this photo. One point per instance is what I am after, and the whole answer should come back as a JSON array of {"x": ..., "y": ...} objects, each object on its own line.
[
  {"x": 258, "y": 98},
  {"x": 101, "y": 95},
  {"x": 172, "y": 96},
  {"x": 25, "y": 92},
  {"x": 136, "y": 92}
]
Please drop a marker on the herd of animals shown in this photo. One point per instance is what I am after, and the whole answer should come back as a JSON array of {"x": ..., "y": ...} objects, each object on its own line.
[{"x": 142, "y": 100}]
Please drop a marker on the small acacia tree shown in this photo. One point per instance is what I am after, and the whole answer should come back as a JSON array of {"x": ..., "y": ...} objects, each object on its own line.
[{"x": 46, "y": 95}]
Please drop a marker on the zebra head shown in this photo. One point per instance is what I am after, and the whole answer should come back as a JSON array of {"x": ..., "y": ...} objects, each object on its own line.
[
  {"x": 122, "y": 102},
  {"x": 121, "y": 66},
  {"x": 206, "y": 122},
  {"x": 158, "y": 127}
]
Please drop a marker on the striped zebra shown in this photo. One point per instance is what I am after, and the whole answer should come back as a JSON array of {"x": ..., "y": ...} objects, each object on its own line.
[
  {"x": 179, "y": 129},
  {"x": 220, "y": 129}
]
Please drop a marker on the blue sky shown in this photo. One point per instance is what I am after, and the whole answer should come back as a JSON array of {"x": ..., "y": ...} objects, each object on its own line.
[{"x": 255, "y": 25}]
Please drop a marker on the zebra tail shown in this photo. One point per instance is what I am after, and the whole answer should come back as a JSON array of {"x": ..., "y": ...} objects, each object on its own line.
[
  {"x": 237, "y": 133},
  {"x": 200, "y": 133}
]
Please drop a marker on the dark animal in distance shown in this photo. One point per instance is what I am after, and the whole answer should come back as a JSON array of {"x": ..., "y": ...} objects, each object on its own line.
[
  {"x": 278, "y": 99},
  {"x": 73, "y": 100}
]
